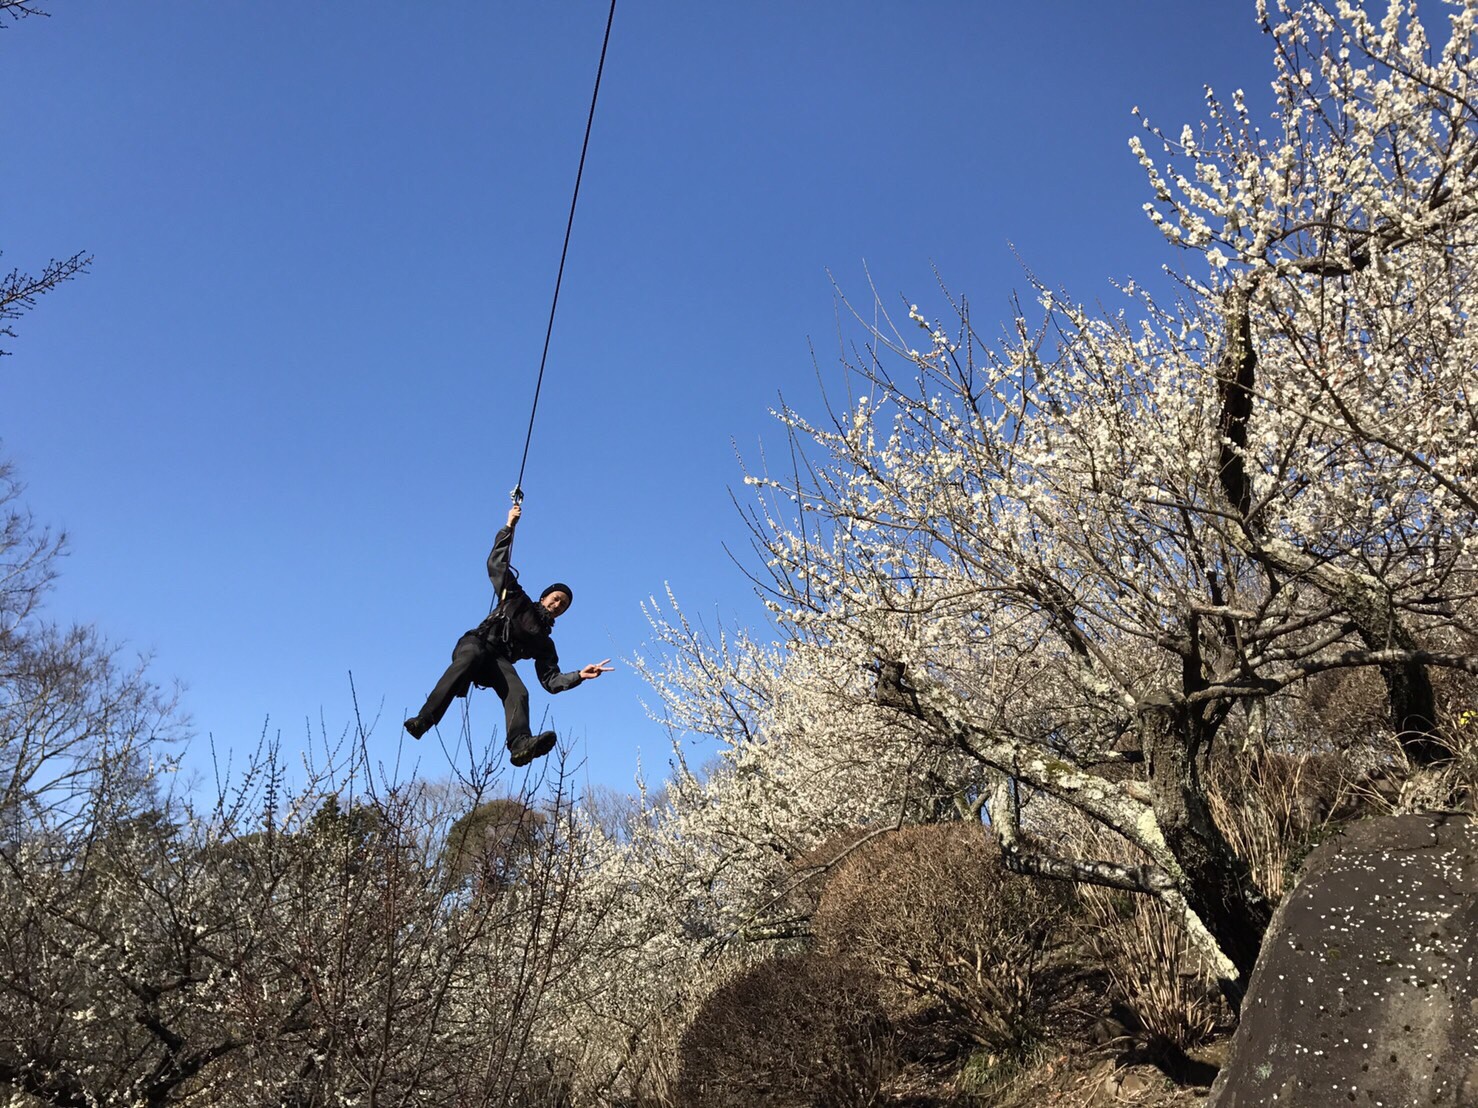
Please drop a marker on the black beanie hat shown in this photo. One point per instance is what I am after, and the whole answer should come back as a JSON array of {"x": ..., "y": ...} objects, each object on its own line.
[{"x": 559, "y": 586}]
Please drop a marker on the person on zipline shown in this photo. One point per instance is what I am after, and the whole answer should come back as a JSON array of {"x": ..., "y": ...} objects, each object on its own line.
[{"x": 518, "y": 628}]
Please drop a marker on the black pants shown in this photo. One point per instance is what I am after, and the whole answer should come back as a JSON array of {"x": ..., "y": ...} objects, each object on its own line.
[{"x": 475, "y": 661}]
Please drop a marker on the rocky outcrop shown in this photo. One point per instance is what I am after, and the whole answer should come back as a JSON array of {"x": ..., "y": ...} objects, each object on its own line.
[{"x": 1364, "y": 992}]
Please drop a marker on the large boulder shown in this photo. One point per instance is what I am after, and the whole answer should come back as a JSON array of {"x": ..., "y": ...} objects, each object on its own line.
[{"x": 1364, "y": 991}]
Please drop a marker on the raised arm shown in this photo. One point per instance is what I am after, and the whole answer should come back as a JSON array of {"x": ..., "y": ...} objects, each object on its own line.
[
  {"x": 498, "y": 560},
  {"x": 546, "y": 664}
]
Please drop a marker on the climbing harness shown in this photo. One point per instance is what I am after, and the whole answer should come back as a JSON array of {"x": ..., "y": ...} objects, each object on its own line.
[{"x": 516, "y": 493}]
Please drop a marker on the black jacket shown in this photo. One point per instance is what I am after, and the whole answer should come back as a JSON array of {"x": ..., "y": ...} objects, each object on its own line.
[{"x": 519, "y": 627}]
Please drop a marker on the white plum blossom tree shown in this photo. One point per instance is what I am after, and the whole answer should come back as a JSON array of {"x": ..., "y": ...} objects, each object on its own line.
[{"x": 1083, "y": 556}]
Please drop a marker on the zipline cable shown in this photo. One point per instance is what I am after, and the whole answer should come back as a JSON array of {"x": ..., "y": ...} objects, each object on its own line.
[{"x": 517, "y": 493}]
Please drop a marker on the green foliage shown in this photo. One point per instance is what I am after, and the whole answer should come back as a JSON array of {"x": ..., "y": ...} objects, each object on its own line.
[
  {"x": 987, "y": 1073},
  {"x": 492, "y": 842},
  {"x": 357, "y": 826}
]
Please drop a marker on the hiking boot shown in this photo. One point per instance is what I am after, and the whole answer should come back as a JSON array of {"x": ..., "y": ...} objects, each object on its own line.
[
  {"x": 525, "y": 748},
  {"x": 416, "y": 727}
]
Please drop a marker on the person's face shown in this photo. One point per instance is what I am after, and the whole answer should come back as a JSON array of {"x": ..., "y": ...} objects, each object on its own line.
[{"x": 556, "y": 603}]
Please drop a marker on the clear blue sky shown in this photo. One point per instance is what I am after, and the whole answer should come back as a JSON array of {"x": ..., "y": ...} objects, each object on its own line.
[{"x": 281, "y": 415}]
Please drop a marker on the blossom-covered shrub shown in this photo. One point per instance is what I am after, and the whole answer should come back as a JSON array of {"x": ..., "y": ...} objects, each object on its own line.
[{"x": 285, "y": 950}]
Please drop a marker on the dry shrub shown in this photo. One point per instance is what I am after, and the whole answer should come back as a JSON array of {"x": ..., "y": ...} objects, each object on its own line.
[
  {"x": 1452, "y": 786},
  {"x": 797, "y": 888},
  {"x": 792, "y": 1032},
  {"x": 1325, "y": 753},
  {"x": 1348, "y": 711},
  {"x": 931, "y": 908},
  {"x": 1342, "y": 709},
  {"x": 655, "y": 1062}
]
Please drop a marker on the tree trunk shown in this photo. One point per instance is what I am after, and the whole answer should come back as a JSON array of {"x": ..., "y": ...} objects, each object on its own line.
[
  {"x": 1408, "y": 686},
  {"x": 1215, "y": 882}
]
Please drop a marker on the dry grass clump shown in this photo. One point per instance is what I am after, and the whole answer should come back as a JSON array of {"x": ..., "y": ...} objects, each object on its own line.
[
  {"x": 1156, "y": 981},
  {"x": 792, "y": 1032},
  {"x": 930, "y": 908},
  {"x": 1270, "y": 806},
  {"x": 1152, "y": 971}
]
